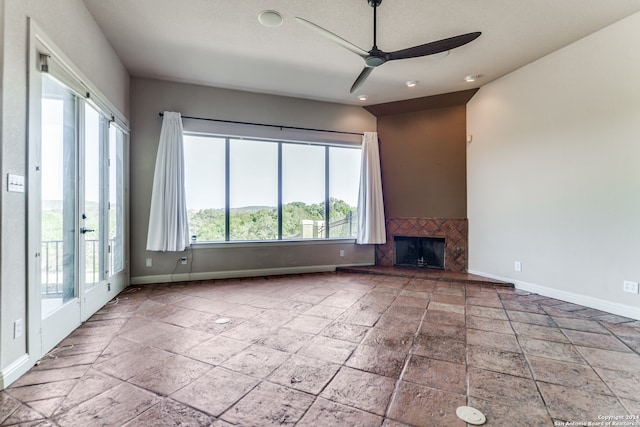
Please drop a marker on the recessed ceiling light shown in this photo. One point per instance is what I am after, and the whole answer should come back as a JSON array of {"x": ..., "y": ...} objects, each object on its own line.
[
  {"x": 270, "y": 18},
  {"x": 472, "y": 78},
  {"x": 362, "y": 97},
  {"x": 411, "y": 83}
]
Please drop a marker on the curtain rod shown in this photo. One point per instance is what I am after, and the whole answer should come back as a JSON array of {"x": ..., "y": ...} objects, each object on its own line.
[{"x": 268, "y": 125}]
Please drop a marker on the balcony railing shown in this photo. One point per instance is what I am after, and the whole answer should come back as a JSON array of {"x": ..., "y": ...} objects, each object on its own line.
[
  {"x": 52, "y": 265},
  {"x": 52, "y": 261},
  {"x": 342, "y": 227}
]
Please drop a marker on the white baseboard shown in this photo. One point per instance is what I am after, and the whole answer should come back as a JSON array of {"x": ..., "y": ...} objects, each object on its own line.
[
  {"x": 587, "y": 301},
  {"x": 15, "y": 370},
  {"x": 232, "y": 274}
]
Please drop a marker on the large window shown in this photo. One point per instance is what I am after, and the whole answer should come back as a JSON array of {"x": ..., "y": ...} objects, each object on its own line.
[
  {"x": 303, "y": 191},
  {"x": 253, "y": 190},
  {"x": 205, "y": 171},
  {"x": 244, "y": 189}
]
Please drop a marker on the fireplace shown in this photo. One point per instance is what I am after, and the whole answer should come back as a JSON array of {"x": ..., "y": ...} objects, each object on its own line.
[
  {"x": 423, "y": 252},
  {"x": 452, "y": 231}
]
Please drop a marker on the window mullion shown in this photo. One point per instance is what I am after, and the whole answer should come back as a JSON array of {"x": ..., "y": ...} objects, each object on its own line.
[
  {"x": 279, "y": 190},
  {"x": 227, "y": 186},
  {"x": 326, "y": 192}
]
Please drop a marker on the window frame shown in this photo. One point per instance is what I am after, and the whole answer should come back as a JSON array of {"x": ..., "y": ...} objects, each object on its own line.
[{"x": 280, "y": 241}]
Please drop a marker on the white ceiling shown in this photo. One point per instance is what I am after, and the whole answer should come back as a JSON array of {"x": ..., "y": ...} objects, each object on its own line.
[{"x": 221, "y": 43}]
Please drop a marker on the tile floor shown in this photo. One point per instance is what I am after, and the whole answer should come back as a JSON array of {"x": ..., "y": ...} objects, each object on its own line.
[{"x": 335, "y": 349}]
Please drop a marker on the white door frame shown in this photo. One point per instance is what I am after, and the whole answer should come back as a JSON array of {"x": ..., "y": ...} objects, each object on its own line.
[{"x": 44, "y": 334}]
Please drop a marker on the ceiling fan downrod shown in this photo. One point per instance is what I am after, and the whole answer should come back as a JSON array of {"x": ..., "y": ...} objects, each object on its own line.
[
  {"x": 374, "y": 4},
  {"x": 376, "y": 57}
]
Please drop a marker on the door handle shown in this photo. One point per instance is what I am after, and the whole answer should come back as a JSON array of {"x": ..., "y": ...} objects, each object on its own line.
[{"x": 86, "y": 230}]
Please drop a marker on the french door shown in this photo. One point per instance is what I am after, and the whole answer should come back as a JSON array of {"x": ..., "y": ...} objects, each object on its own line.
[
  {"x": 57, "y": 170},
  {"x": 78, "y": 231}
]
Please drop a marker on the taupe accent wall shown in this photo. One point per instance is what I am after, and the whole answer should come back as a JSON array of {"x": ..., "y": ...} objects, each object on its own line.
[
  {"x": 423, "y": 157},
  {"x": 423, "y": 160},
  {"x": 148, "y": 98}
]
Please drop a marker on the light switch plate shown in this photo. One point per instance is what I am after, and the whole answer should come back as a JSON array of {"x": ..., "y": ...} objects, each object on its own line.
[{"x": 15, "y": 183}]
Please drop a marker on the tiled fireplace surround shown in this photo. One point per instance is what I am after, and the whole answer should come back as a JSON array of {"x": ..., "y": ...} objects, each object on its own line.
[{"x": 454, "y": 231}]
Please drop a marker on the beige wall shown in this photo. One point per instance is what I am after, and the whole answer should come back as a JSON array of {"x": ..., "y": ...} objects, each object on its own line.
[
  {"x": 148, "y": 98},
  {"x": 423, "y": 163},
  {"x": 553, "y": 176},
  {"x": 72, "y": 29}
]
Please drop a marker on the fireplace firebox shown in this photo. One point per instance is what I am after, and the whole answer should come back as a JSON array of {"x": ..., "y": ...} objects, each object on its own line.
[{"x": 422, "y": 252}]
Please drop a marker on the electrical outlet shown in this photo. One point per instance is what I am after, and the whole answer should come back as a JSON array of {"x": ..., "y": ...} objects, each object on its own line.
[
  {"x": 631, "y": 287},
  {"x": 341, "y": 252},
  {"x": 108, "y": 287},
  {"x": 183, "y": 260},
  {"x": 17, "y": 329},
  {"x": 517, "y": 266},
  {"x": 149, "y": 262}
]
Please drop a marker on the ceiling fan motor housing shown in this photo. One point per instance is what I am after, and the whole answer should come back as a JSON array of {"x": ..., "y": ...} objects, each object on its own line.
[
  {"x": 374, "y": 3},
  {"x": 376, "y": 57}
]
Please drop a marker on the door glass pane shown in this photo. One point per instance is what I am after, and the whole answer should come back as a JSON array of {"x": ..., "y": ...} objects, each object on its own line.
[
  {"x": 204, "y": 177},
  {"x": 116, "y": 200},
  {"x": 58, "y": 196},
  {"x": 303, "y": 191},
  {"x": 344, "y": 181},
  {"x": 253, "y": 183},
  {"x": 92, "y": 219}
]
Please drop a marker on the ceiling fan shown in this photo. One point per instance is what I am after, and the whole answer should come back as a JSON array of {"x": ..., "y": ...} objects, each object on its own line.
[{"x": 376, "y": 57}]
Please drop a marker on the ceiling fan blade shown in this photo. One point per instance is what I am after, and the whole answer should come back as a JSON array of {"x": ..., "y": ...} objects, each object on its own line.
[
  {"x": 361, "y": 78},
  {"x": 334, "y": 38},
  {"x": 433, "y": 47}
]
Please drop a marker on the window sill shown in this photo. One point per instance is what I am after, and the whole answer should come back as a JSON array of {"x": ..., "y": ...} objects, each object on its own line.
[{"x": 270, "y": 243}]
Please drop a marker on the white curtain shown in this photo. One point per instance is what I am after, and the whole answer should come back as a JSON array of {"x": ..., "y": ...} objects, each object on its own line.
[
  {"x": 371, "y": 224},
  {"x": 168, "y": 226}
]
